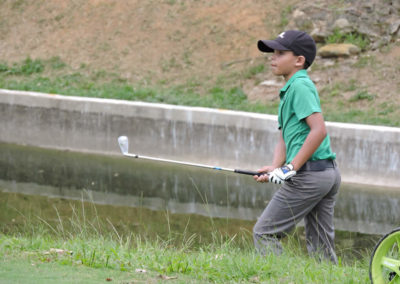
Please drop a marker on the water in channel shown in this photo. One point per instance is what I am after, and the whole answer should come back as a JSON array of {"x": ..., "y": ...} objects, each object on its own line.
[{"x": 152, "y": 199}]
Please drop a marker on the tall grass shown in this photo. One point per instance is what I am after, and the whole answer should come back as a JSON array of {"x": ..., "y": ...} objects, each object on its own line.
[
  {"x": 97, "y": 243},
  {"x": 219, "y": 263}
]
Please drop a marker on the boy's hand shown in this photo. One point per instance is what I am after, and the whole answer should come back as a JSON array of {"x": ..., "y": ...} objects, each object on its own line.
[
  {"x": 264, "y": 177},
  {"x": 282, "y": 174}
]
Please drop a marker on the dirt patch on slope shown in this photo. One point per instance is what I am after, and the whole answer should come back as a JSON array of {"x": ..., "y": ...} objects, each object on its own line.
[{"x": 139, "y": 39}]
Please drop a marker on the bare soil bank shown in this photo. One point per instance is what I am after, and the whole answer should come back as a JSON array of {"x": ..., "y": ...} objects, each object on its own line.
[{"x": 174, "y": 42}]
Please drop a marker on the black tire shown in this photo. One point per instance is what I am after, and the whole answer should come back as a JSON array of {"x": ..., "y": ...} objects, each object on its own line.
[{"x": 382, "y": 249}]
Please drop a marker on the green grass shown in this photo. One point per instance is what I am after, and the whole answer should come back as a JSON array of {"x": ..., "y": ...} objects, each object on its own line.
[
  {"x": 351, "y": 102},
  {"x": 285, "y": 14},
  {"x": 29, "y": 75},
  {"x": 362, "y": 95},
  {"x": 92, "y": 248},
  {"x": 30, "y": 269},
  {"x": 337, "y": 89},
  {"x": 225, "y": 92},
  {"x": 354, "y": 38},
  {"x": 365, "y": 61},
  {"x": 254, "y": 70},
  {"x": 93, "y": 256},
  {"x": 26, "y": 67}
]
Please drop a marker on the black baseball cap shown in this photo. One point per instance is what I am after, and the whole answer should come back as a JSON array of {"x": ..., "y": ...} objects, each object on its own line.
[{"x": 297, "y": 41}]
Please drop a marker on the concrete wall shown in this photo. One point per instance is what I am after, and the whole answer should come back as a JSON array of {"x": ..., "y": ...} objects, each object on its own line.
[{"x": 366, "y": 154}]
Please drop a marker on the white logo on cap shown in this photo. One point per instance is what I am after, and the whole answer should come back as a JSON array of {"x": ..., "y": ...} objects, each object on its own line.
[{"x": 282, "y": 35}]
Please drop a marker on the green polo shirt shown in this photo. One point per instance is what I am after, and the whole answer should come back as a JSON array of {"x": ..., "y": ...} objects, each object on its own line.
[{"x": 299, "y": 99}]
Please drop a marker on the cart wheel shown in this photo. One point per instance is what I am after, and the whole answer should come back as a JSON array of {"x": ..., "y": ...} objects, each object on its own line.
[{"x": 384, "y": 266}]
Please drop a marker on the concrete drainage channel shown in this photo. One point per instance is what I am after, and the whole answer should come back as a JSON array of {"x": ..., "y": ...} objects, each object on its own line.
[{"x": 366, "y": 154}]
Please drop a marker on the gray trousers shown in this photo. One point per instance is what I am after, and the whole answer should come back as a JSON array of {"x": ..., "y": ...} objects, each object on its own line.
[{"x": 309, "y": 195}]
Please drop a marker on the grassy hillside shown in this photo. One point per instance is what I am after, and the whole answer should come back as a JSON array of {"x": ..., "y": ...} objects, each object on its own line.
[{"x": 180, "y": 52}]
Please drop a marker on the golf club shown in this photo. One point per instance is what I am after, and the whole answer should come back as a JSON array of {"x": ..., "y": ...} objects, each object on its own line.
[{"x": 124, "y": 146}]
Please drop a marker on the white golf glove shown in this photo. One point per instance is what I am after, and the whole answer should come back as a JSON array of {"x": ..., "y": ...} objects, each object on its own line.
[{"x": 282, "y": 174}]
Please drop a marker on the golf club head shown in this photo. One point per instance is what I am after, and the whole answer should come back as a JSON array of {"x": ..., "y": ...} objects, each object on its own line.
[{"x": 123, "y": 144}]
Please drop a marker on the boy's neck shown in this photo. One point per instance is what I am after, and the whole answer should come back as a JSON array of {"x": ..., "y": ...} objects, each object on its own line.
[{"x": 288, "y": 76}]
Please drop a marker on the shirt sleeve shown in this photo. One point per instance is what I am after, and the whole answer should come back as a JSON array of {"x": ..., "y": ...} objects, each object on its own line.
[{"x": 305, "y": 100}]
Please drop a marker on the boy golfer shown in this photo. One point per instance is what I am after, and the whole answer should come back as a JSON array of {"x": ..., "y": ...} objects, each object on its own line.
[{"x": 303, "y": 161}]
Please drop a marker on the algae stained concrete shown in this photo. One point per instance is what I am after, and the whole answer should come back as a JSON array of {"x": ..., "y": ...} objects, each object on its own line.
[{"x": 366, "y": 154}]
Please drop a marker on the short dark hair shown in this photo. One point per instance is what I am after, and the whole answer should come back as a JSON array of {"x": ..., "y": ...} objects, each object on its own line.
[{"x": 306, "y": 64}]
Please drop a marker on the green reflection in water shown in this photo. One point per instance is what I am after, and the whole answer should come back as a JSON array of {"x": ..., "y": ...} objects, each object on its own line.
[
  {"x": 20, "y": 213},
  {"x": 159, "y": 185}
]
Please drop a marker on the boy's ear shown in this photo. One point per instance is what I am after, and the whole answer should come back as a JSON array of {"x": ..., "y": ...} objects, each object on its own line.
[{"x": 301, "y": 60}]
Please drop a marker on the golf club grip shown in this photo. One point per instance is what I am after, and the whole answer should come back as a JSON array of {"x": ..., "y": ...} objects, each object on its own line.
[{"x": 250, "y": 173}]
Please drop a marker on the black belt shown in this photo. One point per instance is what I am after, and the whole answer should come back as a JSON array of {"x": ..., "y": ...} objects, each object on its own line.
[{"x": 317, "y": 165}]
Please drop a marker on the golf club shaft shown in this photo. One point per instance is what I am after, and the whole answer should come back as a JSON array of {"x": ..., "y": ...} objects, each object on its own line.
[
  {"x": 238, "y": 171},
  {"x": 124, "y": 145}
]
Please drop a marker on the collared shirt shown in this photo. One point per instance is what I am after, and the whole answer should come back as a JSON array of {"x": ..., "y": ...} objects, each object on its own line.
[{"x": 299, "y": 99}]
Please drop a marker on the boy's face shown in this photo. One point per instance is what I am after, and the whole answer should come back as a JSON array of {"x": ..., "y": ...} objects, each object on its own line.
[{"x": 285, "y": 63}]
